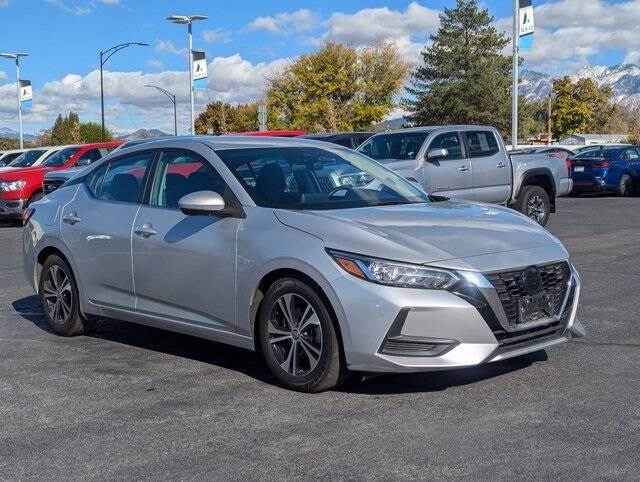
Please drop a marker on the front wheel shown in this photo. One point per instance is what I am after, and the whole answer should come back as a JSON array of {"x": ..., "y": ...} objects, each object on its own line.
[
  {"x": 298, "y": 338},
  {"x": 625, "y": 186},
  {"x": 535, "y": 204}
]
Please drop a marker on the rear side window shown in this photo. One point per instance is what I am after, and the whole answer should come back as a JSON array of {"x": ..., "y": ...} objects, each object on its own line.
[
  {"x": 95, "y": 179},
  {"x": 630, "y": 155},
  {"x": 124, "y": 180},
  {"x": 449, "y": 141},
  {"x": 92, "y": 155},
  {"x": 481, "y": 143}
]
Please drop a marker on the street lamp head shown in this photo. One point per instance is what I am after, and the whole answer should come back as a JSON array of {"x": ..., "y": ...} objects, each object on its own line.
[
  {"x": 186, "y": 19},
  {"x": 142, "y": 44},
  {"x": 13, "y": 56}
]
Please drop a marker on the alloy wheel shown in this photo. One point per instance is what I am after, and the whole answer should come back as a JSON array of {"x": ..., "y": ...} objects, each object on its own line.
[
  {"x": 536, "y": 208},
  {"x": 295, "y": 334},
  {"x": 57, "y": 294}
]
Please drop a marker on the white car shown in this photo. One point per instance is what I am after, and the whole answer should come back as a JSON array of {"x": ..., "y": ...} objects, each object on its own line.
[
  {"x": 7, "y": 156},
  {"x": 31, "y": 157}
]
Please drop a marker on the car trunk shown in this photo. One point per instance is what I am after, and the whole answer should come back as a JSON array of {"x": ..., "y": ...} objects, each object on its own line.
[{"x": 585, "y": 169}]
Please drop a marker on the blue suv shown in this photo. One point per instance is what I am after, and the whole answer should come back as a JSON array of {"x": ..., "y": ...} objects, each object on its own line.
[{"x": 606, "y": 169}]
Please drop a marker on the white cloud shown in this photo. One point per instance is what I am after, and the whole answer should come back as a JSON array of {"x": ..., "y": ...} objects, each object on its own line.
[
  {"x": 129, "y": 105},
  {"x": 156, "y": 64},
  {"x": 168, "y": 48},
  {"x": 302, "y": 20},
  {"x": 111, "y": 2},
  {"x": 3, "y": 75},
  {"x": 217, "y": 35},
  {"x": 84, "y": 8},
  {"x": 633, "y": 57},
  {"x": 4, "y": 3}
]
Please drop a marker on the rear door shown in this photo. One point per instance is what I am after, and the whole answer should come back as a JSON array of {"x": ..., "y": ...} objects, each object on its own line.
[
  {"x": 450, "y": 176},
  {"x": 631, "y": 157},
  {"x": 491, "y": 168},
  {"x": 97, "y": 224}
]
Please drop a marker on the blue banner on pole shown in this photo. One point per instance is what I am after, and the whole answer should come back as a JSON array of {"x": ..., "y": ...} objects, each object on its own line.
[
  {"x": 527, "y": 26},
  {"x": 26, "y": 94},
  {"x": 526, "y": 43},
  {"x": 199, "y": 70}
]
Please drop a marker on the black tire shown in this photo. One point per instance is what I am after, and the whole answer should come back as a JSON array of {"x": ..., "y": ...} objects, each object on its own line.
[
  {"x": 574, "y": 193},
  {"x": 534, "y": 203},
  {"x": 67, "y": 321},
  {"x": 625, "y": 186},
  {"x": 36, "y": 197},
  {"x": 329, "y": 370}
]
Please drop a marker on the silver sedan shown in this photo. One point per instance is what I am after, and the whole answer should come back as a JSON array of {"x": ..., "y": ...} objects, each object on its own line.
[{"x": 313, "y": 254}]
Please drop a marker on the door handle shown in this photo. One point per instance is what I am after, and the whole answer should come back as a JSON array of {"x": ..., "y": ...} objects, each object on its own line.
[
  {"x": 500, "y": 165},
  {"x": 146, "y": 231},
  {"x": 463, "y": 168},
  {"x": 71, "y": 218}
]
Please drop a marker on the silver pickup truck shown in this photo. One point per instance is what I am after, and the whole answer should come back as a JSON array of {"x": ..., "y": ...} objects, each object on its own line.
[{"x": 471, "y": 162}]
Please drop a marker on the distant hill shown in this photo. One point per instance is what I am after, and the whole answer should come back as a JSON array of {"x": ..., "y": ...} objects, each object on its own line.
[
  {"x": 7, "y": 133},
  {"x": 140, "y": 134},
  {"x": 624, "y": 79}
]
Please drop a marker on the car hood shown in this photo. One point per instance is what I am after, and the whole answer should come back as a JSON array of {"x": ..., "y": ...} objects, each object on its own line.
[
  {"x": 19, "y": 173},
  {"x": 422, "y": 233},
  {"x": 65, "y": 174}
]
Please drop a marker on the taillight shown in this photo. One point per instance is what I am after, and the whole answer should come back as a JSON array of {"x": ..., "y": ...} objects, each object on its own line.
[
  {"x": 559, "y": 155},
  {"x": 568, "y": 161},
  {"x": 26, "y": 215},
  {"x": 604, "y": 164}
]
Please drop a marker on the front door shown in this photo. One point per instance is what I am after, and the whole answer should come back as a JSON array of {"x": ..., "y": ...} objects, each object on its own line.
[
  {"x": 450, "y": 176},
  {"x": 184, "y": 266},
  {"x": 96, "y": 226},
  {"x": 491, "y": 167}
]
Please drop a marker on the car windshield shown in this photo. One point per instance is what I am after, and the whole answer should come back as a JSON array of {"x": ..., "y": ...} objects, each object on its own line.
[
  {"x": 398, "y": 145},
  {"x": 61, "y": 158},
  {"x": 26, "y": 159},
  {"x": 314, "y": 178},
  {"x": 597, "y": 153}
]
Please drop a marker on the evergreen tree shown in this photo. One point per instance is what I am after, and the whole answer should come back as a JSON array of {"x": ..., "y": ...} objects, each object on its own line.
[
  {"x": 58, "y": 132},
  {"x": 464, "y": 78}
]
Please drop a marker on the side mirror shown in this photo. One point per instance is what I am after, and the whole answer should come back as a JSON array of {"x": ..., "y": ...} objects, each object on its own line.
[
  {"x": 201, "y": 203},
  {"x": 83, "y": 162},
  {"x": 437, "y": 154}
]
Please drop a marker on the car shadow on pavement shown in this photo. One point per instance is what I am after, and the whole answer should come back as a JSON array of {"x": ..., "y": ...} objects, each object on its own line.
[
  {"x": 161, "y": 341},
  {"x": 10, "y": 223},
  {"x": 252, "y": 364}
]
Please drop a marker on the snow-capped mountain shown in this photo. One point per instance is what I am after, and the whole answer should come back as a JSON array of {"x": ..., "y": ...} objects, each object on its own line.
[
  {"x": 623, "y": 79},
  {"x": 7, "y": 133},
  {"x": 139, "y": 134}
]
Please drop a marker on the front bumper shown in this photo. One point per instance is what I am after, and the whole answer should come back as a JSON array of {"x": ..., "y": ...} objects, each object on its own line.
[
  {"x": 12, "y": 208},
  {"x": 410, "y": 330}
]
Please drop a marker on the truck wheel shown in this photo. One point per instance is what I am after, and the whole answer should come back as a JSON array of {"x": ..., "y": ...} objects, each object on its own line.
[
  {"x": 535, "y": 204},
  {"x": 625, "y": 187}
]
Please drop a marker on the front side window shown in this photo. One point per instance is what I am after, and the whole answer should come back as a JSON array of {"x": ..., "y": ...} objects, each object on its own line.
[
  {"x": 61, "y": 157},
  {"x": 397, "y": 145},
  {"x": 481, "y": 143},
  {"x": 88, "y": 157},
  {"x": 26, "y": 159},
  {"x": 124, "y": 180},
  {"x": 449, "y": 141},
  {"x": 315, "y": 178},
  {"x": 630, "y": 155},
  {"x": 179, "y": 174}
]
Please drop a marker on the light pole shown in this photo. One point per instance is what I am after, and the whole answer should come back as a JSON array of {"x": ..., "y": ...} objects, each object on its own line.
[
  {"x": 184, "y": 19},
  {"x": 17, "y": 56},
  {"x": 171, "y": 96},
  {"x": 514, "y": 93},
  {"x": 103, "y": 60}
]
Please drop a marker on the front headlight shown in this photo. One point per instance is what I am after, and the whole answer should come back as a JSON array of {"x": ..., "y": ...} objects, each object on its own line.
[
  {"x": 392, "y": 273},
  {"x": 12, "y": 185}
]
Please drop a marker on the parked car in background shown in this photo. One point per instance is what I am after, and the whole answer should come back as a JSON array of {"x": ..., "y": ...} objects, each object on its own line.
[
  {"x": 10, "y": 155},
  {"x": 284, "y": 133},
  {"x": 471, "y": 162},
  {"x": 347, "y": 139},
  {"x": 256, "y": 243},
  {"x": 32, "y": 157},
  {"x": 560, "y": 152},
  {"x": 606, "y": 169},
  {"x": 589, "y": 147},
  {"x": 21, "y": 187},
  {"x": 135, "y": 142}
]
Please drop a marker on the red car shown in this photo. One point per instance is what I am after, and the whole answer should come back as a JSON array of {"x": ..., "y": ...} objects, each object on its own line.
[{"x": 21, "y": 187}]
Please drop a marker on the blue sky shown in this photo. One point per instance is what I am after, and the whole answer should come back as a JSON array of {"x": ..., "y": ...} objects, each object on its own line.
[{"x": 246, "y": 41}]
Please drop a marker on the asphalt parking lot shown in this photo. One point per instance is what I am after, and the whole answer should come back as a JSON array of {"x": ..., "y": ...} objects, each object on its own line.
[{"x": 131, "y": 402}]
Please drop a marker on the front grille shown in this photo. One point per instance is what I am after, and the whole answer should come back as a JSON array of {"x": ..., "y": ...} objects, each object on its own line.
[
  {"x": 50, "y": 186},
  {"x": 555, "y": 281}
]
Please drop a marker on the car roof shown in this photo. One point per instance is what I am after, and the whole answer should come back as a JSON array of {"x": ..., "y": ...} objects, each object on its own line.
[{"x": 430, "y": 129}]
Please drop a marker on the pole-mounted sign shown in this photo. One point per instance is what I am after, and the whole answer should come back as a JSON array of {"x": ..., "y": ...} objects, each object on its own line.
[
  {"x": 199, "y": 70},
  {"x": 26, "y": 94},
  {"x": 527, "y": 26}
]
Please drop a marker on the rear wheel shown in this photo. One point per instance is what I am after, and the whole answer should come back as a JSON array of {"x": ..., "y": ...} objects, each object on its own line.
[
  {"x": 36, "y": 197},
  {"x": 59, "y": 299},
  {"x": 535, "y": 204},
  {"x": 298, "y": 338},
  {"x": 625, "y": 186}
]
